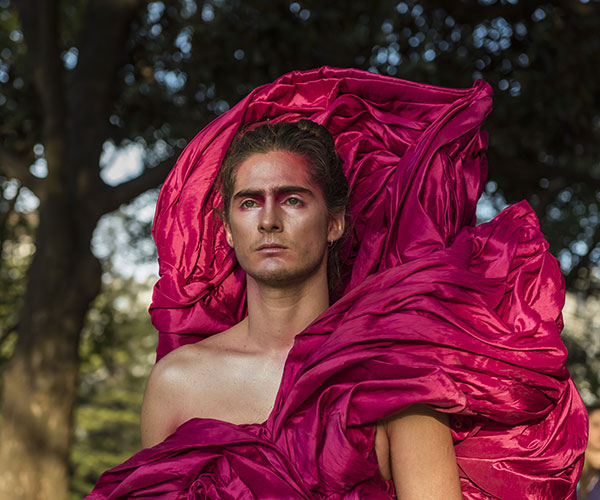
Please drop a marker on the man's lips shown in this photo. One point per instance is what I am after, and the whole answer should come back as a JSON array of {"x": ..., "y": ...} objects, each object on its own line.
[{"x": 271, "y": 246}]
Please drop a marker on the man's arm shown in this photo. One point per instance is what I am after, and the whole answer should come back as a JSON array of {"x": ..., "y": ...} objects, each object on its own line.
[
  {"x": 423, "y": 463},
  {"x": 156, "y": 421}
]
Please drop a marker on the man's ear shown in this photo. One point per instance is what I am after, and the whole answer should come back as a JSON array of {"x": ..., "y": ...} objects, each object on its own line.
[
  {"x": 337, "y": 224},
  {"x": 228, "y": 235}
]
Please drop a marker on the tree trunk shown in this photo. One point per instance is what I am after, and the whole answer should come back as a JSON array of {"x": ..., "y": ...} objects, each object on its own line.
[{"x": 40, "y": 380}]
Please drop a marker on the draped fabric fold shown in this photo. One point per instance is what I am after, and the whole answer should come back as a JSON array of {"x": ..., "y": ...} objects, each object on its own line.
[{"x": 432, "y": 310}]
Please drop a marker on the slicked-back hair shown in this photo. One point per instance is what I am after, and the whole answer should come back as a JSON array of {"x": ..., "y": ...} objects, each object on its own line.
[{"x": 304, "y": 138}]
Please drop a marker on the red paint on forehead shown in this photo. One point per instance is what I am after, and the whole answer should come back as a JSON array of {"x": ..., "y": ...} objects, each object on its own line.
[{"x": 269, "y": 171}]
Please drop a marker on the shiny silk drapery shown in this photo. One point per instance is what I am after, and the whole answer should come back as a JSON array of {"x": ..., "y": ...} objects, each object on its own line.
[{"x": 433, "y": 310}]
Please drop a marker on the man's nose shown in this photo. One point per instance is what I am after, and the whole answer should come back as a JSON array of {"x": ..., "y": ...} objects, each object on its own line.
[{"x": 270, "y": 217}]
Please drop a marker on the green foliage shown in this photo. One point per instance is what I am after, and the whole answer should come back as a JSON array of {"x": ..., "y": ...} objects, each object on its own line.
[
  {"x": 582, "y": 338},
  {"x": 584, "y": 365},
  {"x": 19, "y": 106},
  {"x": 16, "y": 250},
  {"x": 117, "y": 352}
]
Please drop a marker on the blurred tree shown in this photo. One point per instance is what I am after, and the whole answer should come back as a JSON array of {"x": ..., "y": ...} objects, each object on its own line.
[
  {"x": 79, "y": 76},
  {"x": 117, "y": 352},
  {"x": 61, "y": 118}
]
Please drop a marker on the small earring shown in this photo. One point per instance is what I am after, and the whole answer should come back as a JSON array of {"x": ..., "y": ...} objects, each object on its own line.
[{"x": 330, "y": 243}]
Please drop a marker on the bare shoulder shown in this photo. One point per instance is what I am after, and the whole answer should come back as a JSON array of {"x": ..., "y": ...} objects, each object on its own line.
[
  {"x": 182, "y": 385},
  {"x": 224, "y": 377},
  {"x": 189, "y": 362},
  {"x": 169, "y": 385},
  {"x": 170, "y": 369}
]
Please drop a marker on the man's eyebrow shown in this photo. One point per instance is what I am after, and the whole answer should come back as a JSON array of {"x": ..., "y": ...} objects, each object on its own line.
[{"x": 250, "y": 193}]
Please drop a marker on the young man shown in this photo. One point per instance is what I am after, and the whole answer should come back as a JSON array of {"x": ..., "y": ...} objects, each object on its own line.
[
  {"x": 285, "y": 196},
  {"x": 428, "y": 312}
]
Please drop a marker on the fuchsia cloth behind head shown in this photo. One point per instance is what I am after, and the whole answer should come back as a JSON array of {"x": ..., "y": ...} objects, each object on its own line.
[
  {"x": 413, "y": 155},
  {"x": 435, "y": 311}
]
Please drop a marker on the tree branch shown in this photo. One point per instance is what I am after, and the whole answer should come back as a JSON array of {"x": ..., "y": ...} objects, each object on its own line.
[{"x": 109, "y": 198}]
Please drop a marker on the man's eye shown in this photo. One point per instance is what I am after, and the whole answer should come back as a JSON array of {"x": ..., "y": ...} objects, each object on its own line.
[
  {"x": 293, "y": 201},
  {"x": 248, "y": 203}
]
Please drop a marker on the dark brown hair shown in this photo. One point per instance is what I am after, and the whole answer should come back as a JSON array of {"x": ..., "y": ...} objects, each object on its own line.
[{"x": 307, "y": 139}]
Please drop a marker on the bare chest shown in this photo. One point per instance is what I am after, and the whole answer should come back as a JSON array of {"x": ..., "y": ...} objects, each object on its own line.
[
  {"x": 236, "y": 389},
  {"x": 242, "y": 390}
]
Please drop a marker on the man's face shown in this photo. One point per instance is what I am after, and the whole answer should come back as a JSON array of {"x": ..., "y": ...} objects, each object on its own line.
[{"x": 278, "y": 223}]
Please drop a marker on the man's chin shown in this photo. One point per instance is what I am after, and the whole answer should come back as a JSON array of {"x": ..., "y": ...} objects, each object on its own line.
[
  {"x": 277, "y": 279},
  {"x": 283, "y": 278}
]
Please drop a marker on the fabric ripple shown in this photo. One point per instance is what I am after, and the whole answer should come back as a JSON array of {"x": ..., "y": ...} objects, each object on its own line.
[{"x": 432, "y": 311}]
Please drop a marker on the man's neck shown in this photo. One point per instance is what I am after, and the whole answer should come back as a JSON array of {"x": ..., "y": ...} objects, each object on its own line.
[{"x": 277, "y": 314}]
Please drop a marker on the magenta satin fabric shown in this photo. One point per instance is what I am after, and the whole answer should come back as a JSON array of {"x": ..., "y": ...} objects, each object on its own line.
[{"x": 465, "y": 319}]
